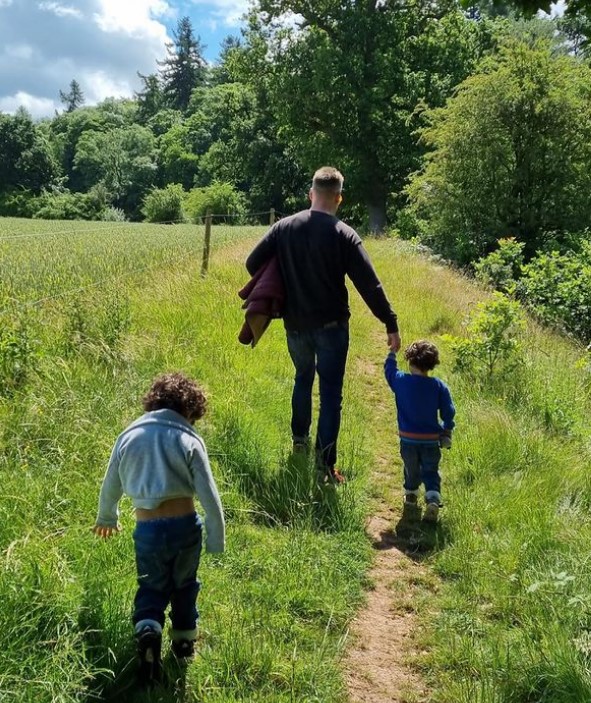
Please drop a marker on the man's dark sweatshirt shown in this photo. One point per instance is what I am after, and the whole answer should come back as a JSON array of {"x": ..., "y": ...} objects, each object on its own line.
[{"x": 315, "y": 251}]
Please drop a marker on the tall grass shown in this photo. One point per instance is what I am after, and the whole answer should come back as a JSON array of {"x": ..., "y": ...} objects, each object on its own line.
[
  {"x": 274, "y": 608},
  {"x": 511, "y": 620}
]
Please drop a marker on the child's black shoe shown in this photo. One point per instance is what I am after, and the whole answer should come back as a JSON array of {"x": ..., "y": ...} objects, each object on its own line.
[
  {"x": 183, "y": 649},
  {"x": 149, "y": 647}
]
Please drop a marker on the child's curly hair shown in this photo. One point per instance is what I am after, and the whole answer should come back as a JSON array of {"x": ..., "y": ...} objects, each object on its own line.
[
  {"x": 422, "y": 355},
  {"x": 175, "y": 391}
]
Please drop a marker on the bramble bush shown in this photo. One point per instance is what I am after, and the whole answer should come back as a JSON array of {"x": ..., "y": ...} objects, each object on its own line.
[{"x": 492, "y": 342}]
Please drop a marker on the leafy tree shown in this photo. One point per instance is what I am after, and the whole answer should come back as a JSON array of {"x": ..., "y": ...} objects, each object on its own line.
[
  {"x": 510, "y": 155},
  {"x": 345, "y": 82},
  {"x": 122, "y": 159},
  {"x": 74, "y": 99},
  {"x": 26, "y": 157},
  {"x": 184, "y": 68}
]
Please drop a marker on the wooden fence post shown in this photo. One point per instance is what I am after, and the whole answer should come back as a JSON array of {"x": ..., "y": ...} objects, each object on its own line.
[
  {"x": 206, "y": 243},
  {"x": 272, "y": 217}
]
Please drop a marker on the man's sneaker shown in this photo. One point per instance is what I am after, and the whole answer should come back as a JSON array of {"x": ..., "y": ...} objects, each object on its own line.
[
  {"x": 431, "y": 513},
  {"x": 149, "y": 645},
  {"x": 183, "y": 649},
  {"x": 330, "y": 476}
]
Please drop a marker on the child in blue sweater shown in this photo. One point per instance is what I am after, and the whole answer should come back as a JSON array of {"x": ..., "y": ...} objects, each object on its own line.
[
  {"x": 161, "y": 463},
  {"x": 421, "y": 401}
]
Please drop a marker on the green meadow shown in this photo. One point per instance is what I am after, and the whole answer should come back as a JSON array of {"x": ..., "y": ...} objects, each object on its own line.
[{"x": 88, "y": 318}]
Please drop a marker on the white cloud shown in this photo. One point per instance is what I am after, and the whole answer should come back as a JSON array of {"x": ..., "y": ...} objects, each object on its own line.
[
  {"x": 38, "y": 107},
  {"x": 136, "y": 18},
  {"x": 98, "y": 86},
  {"x": 60, "y": 10},
  {"x": 5, "y": 3}
]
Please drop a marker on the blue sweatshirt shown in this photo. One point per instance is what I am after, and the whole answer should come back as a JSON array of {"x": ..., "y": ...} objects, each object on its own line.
[
  {"x": 420, "y": 401},
  {"x": 159, "y": 457}
]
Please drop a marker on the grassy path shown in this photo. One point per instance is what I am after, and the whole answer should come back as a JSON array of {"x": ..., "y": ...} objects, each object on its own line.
[{"x": 497, "y": 611}]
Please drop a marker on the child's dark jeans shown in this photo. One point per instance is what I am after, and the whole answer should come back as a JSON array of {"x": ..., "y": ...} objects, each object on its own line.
[
  {"x": 421, "y": 465},
  {"x": 167, "y": 555}
]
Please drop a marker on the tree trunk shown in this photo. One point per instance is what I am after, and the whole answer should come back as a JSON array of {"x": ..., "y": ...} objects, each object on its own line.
[{"x": 377, "y": 214}]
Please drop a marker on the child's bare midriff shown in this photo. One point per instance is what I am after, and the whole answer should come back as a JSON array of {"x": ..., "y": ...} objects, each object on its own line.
[{"x": 175, "y": 507}]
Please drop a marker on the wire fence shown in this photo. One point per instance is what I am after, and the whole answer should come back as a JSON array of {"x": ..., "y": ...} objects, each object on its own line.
[
  {"x": 272, "y": 216},
  {"x": 207, "y": 222}
]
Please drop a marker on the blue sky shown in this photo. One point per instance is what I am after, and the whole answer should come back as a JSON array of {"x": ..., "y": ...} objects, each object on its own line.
[{"x": 44, "y": 44}]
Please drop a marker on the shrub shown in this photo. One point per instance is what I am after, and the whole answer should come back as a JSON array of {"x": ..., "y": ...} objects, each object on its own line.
[
  {"x": 501, "y": 268},
  {"x": 113, "y": 214},
  {"x": 558, "y": 289},
  {"x": 222, "y": 199},
  {"x": 17, "y": 203},
  {"x": 164, "y": 204},
  {"x": 63, "y": 205},
  {"x": 492, "y": 342}
]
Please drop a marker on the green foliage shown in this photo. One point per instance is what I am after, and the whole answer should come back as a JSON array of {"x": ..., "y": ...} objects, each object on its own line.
[
  {"x": 113, "y": 214},
  {"x": 164, "y": 204},
  {"x": 491, "y": 346},
  {"x": 220, "y": 199},
  {"x": 18, "y": 352},
  {"x": 510, "y": 153},
  {"x": 123, "y": 160},
  {"x": 27, "y": 161},
  {"x": 63, "y": 205},
  {"x": 501, "y": 268},
  {"x": 558, "y": 289},
  {"x": 368, "y": 67}
]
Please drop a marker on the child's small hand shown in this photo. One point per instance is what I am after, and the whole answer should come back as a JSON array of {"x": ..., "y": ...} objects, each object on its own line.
[
  {"x": 104, "y": 531},
  {"x": 445, "y": 441}
]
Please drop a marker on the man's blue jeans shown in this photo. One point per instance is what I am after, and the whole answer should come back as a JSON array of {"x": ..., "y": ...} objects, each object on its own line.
[
  {"x": 167, "y": 555},
  {"x": 421, "y": 465},
  {"x": 324, "y": 351}
]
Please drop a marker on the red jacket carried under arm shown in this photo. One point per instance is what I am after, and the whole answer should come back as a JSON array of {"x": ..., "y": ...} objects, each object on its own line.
[{"x": 263, "y": 296}]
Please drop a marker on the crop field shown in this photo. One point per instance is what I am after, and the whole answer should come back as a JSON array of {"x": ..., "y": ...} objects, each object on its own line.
[{"x": 505, "y": 611}]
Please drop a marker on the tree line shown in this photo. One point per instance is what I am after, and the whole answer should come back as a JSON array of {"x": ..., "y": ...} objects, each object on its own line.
[{"x": 458, "y": 125}]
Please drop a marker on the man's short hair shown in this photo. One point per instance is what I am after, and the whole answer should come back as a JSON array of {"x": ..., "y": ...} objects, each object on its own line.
[
  {"x": 422, "y": 354},
  {"x": 328, "y": 180}
]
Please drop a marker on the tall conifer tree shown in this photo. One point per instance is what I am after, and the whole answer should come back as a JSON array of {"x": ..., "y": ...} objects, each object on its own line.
[{"x": 184, "y": 68}]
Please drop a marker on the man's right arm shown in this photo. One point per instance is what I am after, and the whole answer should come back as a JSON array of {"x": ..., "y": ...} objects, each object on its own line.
[{"x": 263, "y": 251}]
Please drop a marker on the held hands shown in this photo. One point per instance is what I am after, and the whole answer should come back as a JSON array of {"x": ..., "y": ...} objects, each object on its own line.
[
  {"x": 394, "y": 341},
  {"x": 445, "y": 441},
  {"x": 105, "y": 532}
]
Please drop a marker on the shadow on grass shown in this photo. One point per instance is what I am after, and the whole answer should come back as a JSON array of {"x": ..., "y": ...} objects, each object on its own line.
[
  {"x": 126, "y": 687},
  {"x": 413, "y": 536},
  {"x": 286, "y": 493}
]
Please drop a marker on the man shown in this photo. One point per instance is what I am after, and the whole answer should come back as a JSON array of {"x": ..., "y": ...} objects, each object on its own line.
[{"x": 315, "y": 251}]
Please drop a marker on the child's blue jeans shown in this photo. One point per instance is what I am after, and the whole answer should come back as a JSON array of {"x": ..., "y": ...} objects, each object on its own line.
[
  {"x": 421, "y": 465},
  {"x": 167, "y": 552}
]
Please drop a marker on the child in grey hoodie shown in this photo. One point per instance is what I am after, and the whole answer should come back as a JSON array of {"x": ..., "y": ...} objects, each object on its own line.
[{"x": 161, "y": 463}]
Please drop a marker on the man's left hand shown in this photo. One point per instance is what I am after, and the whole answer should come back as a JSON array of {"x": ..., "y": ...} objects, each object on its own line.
[{"x": 394, "y": 341}]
